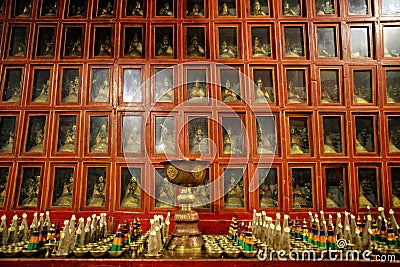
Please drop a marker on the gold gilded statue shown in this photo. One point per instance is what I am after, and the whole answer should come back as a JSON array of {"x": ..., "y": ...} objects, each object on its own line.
[
  {"x": 260, "y": 49},
  {"x": 165, "y": 49},
  {"x": 107, "y": 11},
  {"x": 196, "y": 12},
  {"x": 194, "y": 48},
  {"x": 73, "y": 88},
  {"x": 43, "y": 97},
  {"x": 137, "y": 10},
  {"x": 198, "y": 143},
  {"x": 166, "y": 195},
  {"x": 31, "y": 192},
  {"x": 69, "y": 140},
  {"x": 103, "y": 93},
  {"x": 65, "y": 200},
  {"x": 15, "y": 96},
  {"x": 261, "y": 94},
  {"x": 266, "y": 196},
  {"x": 235, "y": 196},
  {"x": 165, "y": 10},
  {"x": 197, "y": 92},
  {"x": 299, "y": 200},
  {"x": 227, "y": 50},
  {"x": 101, "y": 141},
  {"x": 105, "y": 48},
  {"x": 132, "y": 195},
  {"x": 8, "y": 146},
  {"x": 38, "y": 147},
  {"x": 135, "y": 47},
  {"x": 166, "y": 93},
  {"x": 225, "y": 10},
  {"x": 257, "y": 9},
  {"x": 98, "y": 198},
  {"x": 228, "y": 93}
]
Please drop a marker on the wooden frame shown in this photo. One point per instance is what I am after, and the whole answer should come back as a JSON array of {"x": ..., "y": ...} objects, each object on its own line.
[
  {"x": 12, "y": 85},
  {"x": 95, "y": 194},
  {"x": 133, "y": 85},
  {"x": 131, "y": 193},
  {"x": 9, "y": 126},
  {"x": 67, "y": 129},
  {"x": 133, "y": 46},
  {"x": 131, "y": 141},
  {"x": 330, "y": 86},
  {"x": 98, "y": 132},
  {"x": 70, "y": 85},
  {"x": 332, "y": 135},
  {"x": 365, "y": 139},
  {"x": 30, "y": 176},
  {"x": 364, "y": 86},
  {"x": 64, "y": 181},
  {"x": 301, "y": 196}
]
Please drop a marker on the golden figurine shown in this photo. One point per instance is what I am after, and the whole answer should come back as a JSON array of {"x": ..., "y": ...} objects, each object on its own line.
[
  {"x": 166, "y": 195},
  {"x": 362, "y": 139},
  {"x": 132, "y": 195},
  {"x": 137, "y": 10},
  {"x": 107, "y": 11},
  {"x": 260, "y": 49},
  {"x": 44, "y": 93},
  {"x": 165, "y": 49},
  {"x": 261, "y": 95},
  {"x": 198, "y": 143},
  {"x": 194, "y": 49},
  {"x": 225, "y": 10},
  {"x": 133, "y": 142},
  {"x": 38, "y": 147},
  {"x": 235, "y": 196},
  {"x": 103, "y": 93},
  {"x": 299, "y": 200},
  {"x": 293, "y": 94},
  {"x": 16, "y": 94},
  {"x": 289, "y": 10},
  {"x": 78, "y": 11},
  {"x": 394, "y": 138},
  {"x": 264, "y": 145},
  {"x": 166, "y": 93},
  {"x": 330, "y": 200},
  {"x": 49, "y": 48},
  {"x": 98, "y": 198},
  {"x": 69, "y": 140},
  {"x": 105, "y": 49},
  {"x": 8, "y": 146},
  {"x": 135, "y": 47},
  {"x": 363, "y": 202},
  {"x": 196, "y": 12},
  {"x": 31, "y": 191},
  {"x": 326, "y": 8},
  {"x": 165, "y": 10},
  {"x": 329, "y": 148},
  {"x": 101, "y": 141},
  {"x": 202, "y": 195},
  {"x": 326, "y": 98},
  {"x": 296, "y": 140},
  {"x": 257, "y": 10},
  {"x": 20, "y": 50},
  {"x": 359, "y": 97},
  {"x": 228, "y": 93},
  {"x": 266, "y": 196},
  {"x": 52, "y": 9},
  {"x": 166, "y": 143},
  {"x": 75, "y": 48},
  {"x": 198, "y": 92},
  {"x": 227, "y": 51},
  {"x": 3, "y": 187},
  {"x": 73, "y": 88},
  {"x": 65, "y": 200},
  {"x": 26, "y": 11}
]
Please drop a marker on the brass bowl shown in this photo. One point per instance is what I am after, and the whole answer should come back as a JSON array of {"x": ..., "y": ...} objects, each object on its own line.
[
  {"x": 232, "y": 253},
  {"x": 61, "y": 256},
  {"x": 115, "y": 254},
  {"x": 187, "y": 173},
  {"x": 250, "y": 254},
  {"x": 11, "y": 252},
  {"x": 30, "y": 253},
  {"x": 80, "y": 252},
  {"x": 157, "y": 256},
  {"x": 98, "y": 253},
  {"x": 214, "y": 253}
]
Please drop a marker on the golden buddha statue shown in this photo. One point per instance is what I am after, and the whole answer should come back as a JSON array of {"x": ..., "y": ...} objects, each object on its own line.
[
  {"x": 103, "y": 93},
  {"x": 43, "y": 97},
  {"x": 166, "y": 143},
  {"x": 101, "y": 141},
  {"x": 16, "y": 94},
  {"x": 166, "y": 195},
  {"x": 261, "y": 95},
  {"x": 228, "y": 93},
  {"x": 235, "y": 196},
  {"x": 260, "y": 49},
  {"x": 105, "y": 48},
  {"x": 166, "y": 93},
  {"x": 225, "y": 10},
  {"x": 132, "y": 195},
  {"x": 73, "y": 88},
  {"x": 98, "y": 198},
  {"x": 198, "y": 144},
  {"x": 165, "y": 10},
  {"x": 195, "y": 49},
  {"x": 8, "y": 146},
  {"x": 165, "y": 48},
  {"x": 227, "y": 51},
  {"x": 257, "y": 9},
  {"x": 135, "y": 48},
  {"x": 196, "y": 12},
  {"x": 65, "y": 200},
  {"x": 266, "y": 196},
  {"x": 198, "y": 92},
  {"x": 137, "y": 10},
  {"x": 329, "y": 148},
  {"x": 299, "y": 200},
  {"x": 69, "y": 141},
  {"x": 38, "y": 147},
  {"x": 107, "y": 11},
  {"x": 31, "y": 190},
  {"x": 295, "y": 142},
  {"x": 330, "y": 200}
]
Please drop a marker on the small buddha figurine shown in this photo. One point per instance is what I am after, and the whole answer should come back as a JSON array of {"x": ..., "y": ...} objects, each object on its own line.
[
  {"x": 69, "y": 140},
  {"x": 51, "y": 9},
  {"x": 133, "y": 143},
  {"x": 260, "y": 49},
  {"x": 235, "y": 195},
  {"x": 78, "y": 11},
  {"x": 49, "y": 49},
  {"x": 198, "y": 91},
  {"x": 227, "y": 51},
  {"x": 31, "y": 191},
  {"x": 166, "y": 195},
  {"x": 65, "y": 200},
  {"x": 257, "y": 9},
  {"x": 75, "y": 48},
  {"x": 3, "y": 186},
  {"x": 202, "y": 196},
  {"x": 8, "y": 146},
  {"x": 326, "y": 9},
  {"x": 166, "y": 93},
  {"x": 330, "y": 200},
  {"x": 295, "y": 142},
  {"x": 132, "y": 195},
  {"x": 165, "y": 49},
  {"x": 363, "y": 201},
  {"x": 362, "y": 141},
  {"x": 289, "y": 10},
  {"x": 26, "y": 11},
  {"x": 38, "y": 147},
  {"x": 43, "y": 97},
  {"x": 293, "y": 96},
  {"x": 165, "y": 10},
  {"x": 328, "y": 145},
  {"x": 261, "y": 95},
  {"x": 101, "y": 141},
  {"x": 359, "y": 97},
  {"x": 103, "y": 93},
  {"x": 228, "y": 93},
  {"x": 98, "y": 198},
  {"x": 137, "y": 9},
  {"x": 165, "y": 143},
  {"x": 15, "y": 97},
  {"x": 225, "y": 10},
  {"x": 194, "y": 49},
  {"x": 227, "y": 142},
  {"x": 20, "y": 50},
  {"x": 394, "y": 141},
  {"x": 133, "y": 93},
  {"x": 299, "y": 200},
  {"x": 198, "y": 144},
  {"x": 196, "y": 12},
  {"x": 107, "y": 11},
  {"x": 326, "y": 98},
  {"x": 73, "y": 87},
  {"x": 266, "y": 196},
  {"x": 135, "y": 47},
  {"x": 105, "y": 49},
  {"x": 264, "y": 145}
]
